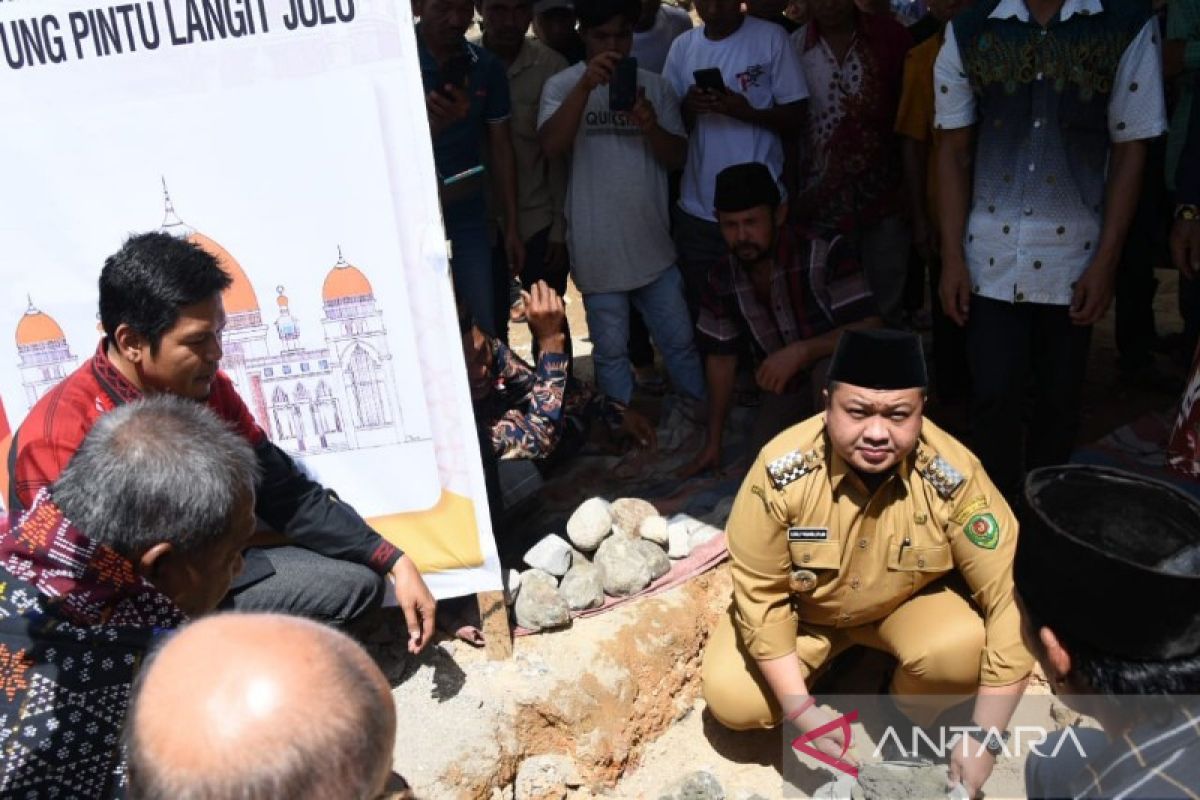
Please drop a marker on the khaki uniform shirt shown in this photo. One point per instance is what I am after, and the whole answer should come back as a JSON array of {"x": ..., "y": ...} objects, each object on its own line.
[
  {"x": 541, "y": 181},
  {"x": 811, "y": 546}
]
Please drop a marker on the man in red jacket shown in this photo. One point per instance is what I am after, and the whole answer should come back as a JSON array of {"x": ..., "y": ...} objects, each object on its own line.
[{"x": 162, "y": 315}]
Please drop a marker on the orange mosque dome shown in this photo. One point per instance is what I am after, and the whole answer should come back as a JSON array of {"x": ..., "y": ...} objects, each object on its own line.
[
  {"x": 37, "y": 328},
  {"x": 345, "y": 281},
  {"x": 239, "y": 297}
]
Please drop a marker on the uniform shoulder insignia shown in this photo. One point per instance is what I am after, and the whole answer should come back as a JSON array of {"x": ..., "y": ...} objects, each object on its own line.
[
  {"x": 793, "y": 466},
  {"x": 944, "y": 478}
]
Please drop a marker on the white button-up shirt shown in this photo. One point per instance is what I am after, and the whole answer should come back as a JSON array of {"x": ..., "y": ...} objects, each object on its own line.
[{"x": 1038, "y": 190}]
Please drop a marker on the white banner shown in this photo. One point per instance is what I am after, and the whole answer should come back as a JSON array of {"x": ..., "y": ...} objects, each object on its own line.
[{"x": 288, "y": 138}]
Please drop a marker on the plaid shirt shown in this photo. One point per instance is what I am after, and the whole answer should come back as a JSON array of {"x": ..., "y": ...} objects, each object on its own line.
[
  {"x": 1156, "y": 760},
  {"x": 816, "y": 287}
]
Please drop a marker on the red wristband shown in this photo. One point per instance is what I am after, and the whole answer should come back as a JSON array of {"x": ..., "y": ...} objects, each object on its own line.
[{"x": 809, "y": 703}]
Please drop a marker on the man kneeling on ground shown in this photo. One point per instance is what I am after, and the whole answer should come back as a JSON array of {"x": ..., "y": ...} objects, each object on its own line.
[
  {"x": 780, "y": 295},
  {"x": 868, "y": 525},
  {"x": 143, "y": 529}
]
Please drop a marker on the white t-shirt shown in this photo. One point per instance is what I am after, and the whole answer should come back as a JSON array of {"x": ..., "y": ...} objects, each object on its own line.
[
  {"x": 618, "y": 223},
  {"x": 759, "y": 62},
  {"x": 650, "y": 47}
]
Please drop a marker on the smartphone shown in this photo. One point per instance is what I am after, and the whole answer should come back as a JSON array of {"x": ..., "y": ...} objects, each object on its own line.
[
  {"x": 622, "y": 89},
  {"x": 454, "y": 71},
  {"x": 710, "y": 79}
]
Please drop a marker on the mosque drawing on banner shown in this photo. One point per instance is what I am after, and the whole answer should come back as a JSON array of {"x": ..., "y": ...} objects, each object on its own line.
[
  {"x": 336, "y": 396},
  {"x": 44, "y": 356}
]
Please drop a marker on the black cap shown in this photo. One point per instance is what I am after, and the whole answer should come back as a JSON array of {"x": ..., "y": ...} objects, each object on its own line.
[
  {"x": 879, "y": 359},
  {"x": 1111, "y": 560},
  {"x": 745, "y": 186}
]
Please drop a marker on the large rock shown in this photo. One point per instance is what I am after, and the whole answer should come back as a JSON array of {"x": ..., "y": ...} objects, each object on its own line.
[
  {"x": 654, "y": 529},
  {"x": 628, "y": 513},
  {"x": 678, "y": 545},
  {"x": 546, "y": 778},
  {"x": 697, "y": 531},
  {"x": 625, "y": 567},
  {"x": 702, "y": 534},
  {"x": 583, "y": 587},
  {"x": 656, "y": 557},
  {"x": 539, "y": 605},
  {"x": 552, "y": 554},
  {"x": 590, "y": 524}
]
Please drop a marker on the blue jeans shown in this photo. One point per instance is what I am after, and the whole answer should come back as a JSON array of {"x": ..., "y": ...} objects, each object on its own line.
[
  {"x": 471, "y": 261},
  {"x": 662, "y": 304}
]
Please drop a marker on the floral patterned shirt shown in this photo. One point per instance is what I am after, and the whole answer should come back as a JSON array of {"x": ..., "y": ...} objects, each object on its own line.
[
  {"x": 528, "y": 409},
  {"x": 850, "y": 170}
]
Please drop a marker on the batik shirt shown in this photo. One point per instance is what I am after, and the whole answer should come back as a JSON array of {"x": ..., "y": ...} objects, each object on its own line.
[
  {"x": 850, "y": 170},
  {"x": 75, "y": 624},
  {"x": 528, "y": 409},
  {"x": 1047, "y": 104}
]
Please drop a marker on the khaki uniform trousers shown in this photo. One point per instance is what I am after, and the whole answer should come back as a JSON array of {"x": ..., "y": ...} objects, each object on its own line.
[{"x": 937, "y": 637}]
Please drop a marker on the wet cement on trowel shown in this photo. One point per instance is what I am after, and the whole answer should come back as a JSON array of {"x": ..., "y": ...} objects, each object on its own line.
[{"x": 879, "y": 782}]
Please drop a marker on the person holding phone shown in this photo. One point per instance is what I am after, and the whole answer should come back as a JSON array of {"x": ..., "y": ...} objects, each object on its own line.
[
  {"x": 743, "y": 91},
  {"x": 467, "y": 100},
  {"x": 622, "y": 129},
  {"x": 541, "y": 181}
]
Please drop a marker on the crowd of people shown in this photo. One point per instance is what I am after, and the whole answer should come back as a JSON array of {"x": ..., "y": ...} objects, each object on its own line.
[
  {"x": 976, "y": 172},
  {"x": 178, "y": 598}
]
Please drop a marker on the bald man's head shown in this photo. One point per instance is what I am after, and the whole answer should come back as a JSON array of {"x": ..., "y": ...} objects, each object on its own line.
[{"x": 253, "y": 706}]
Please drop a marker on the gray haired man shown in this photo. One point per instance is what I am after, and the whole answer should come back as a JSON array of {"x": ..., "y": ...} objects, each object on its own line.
[
  {"x": 260, "y": 706},
  {"x": 144, "y": 528}
]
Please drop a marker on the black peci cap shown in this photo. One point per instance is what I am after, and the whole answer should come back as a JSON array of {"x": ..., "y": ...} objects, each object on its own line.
[
  {"x": 879, "y": 359},
  {"x": 745, "y": 186}
]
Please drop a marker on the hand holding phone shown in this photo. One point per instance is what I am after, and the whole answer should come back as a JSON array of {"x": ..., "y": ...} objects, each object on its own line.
[
  {"x": 454, "y": 72},
  {"x": 599, "y": 70},
  {"x": 710, "y": 79},
  {"x": 623, "y": 88}
]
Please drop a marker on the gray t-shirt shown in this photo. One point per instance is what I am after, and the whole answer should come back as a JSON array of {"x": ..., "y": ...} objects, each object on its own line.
[{"x": 618, "y": 223}]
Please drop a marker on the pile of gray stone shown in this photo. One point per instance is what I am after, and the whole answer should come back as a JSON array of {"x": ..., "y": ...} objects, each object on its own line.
[{"x": 613, "y": 548}]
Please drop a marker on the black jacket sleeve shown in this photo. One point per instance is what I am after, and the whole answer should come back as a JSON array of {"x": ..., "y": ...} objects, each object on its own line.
[{"x": 313, "y": 517}]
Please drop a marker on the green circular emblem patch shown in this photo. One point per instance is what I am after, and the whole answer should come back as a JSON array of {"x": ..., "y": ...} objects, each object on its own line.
[{"x": 983, "y": 531}]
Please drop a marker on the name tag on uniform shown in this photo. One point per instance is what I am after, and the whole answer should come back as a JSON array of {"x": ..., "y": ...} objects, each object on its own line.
[{"x": 808, "y": 534}]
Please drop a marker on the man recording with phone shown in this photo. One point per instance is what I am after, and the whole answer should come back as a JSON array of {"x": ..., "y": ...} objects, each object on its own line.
[
  {"x": 743, "y": 91},
  {"x": 622, "y": 129},
  {"x": 467, "y": 100}
]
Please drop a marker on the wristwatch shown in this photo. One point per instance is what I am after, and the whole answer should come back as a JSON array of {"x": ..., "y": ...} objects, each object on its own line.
[
  {"x": 1187, "y": 211},
  {"x": 994, "y": 741}
]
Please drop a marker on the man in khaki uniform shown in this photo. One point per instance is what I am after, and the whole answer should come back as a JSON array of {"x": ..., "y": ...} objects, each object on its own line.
[{"x": 870, "y": 525}]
